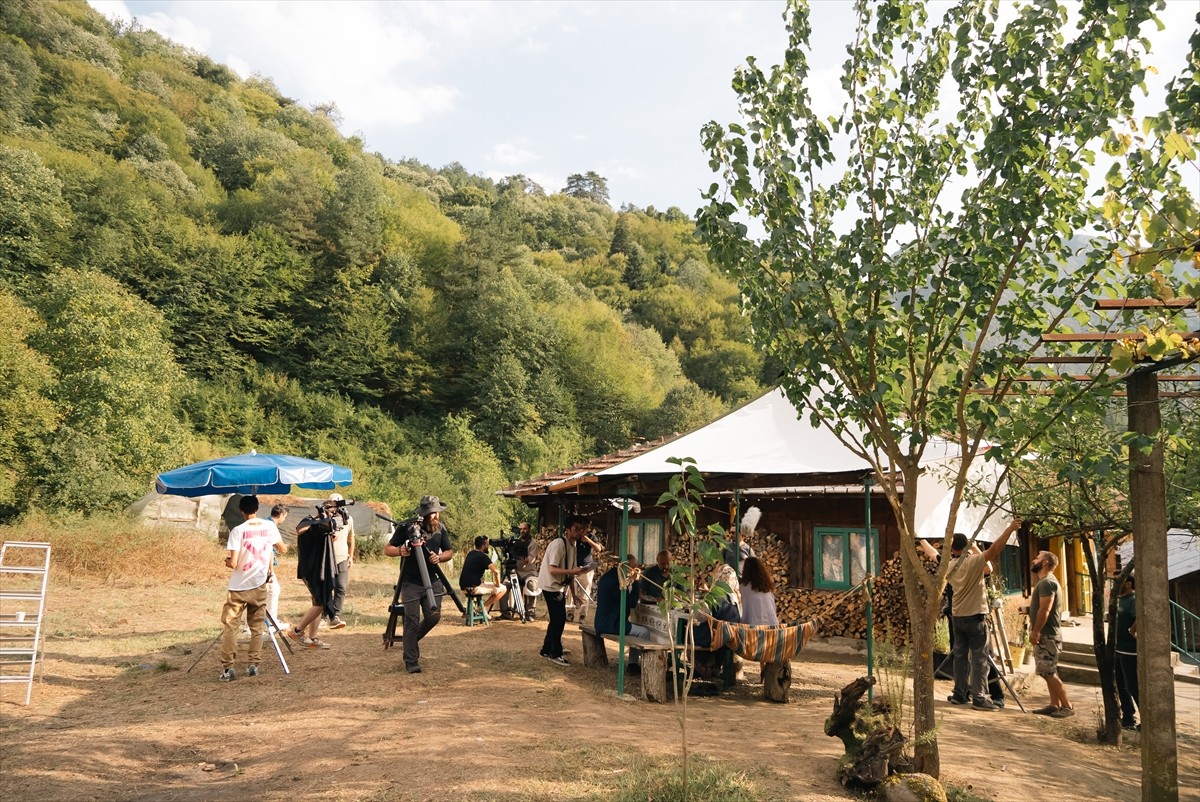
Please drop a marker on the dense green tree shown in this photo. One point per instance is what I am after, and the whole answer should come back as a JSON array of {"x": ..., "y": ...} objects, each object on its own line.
[
  {"x": 589, "y": 186},
  {"x": 32, "y": 213},
  {"x": 116, "y": 385},
  {"x": 889, "y": 286},
  {"x": 29, "y": 415}
]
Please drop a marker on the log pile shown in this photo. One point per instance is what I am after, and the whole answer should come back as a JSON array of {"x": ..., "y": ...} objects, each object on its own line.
[{"x": 841, "y": 614}]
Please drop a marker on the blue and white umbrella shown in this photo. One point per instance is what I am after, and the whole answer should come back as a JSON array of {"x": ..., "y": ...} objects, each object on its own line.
[{"x": 251, "y": 474}]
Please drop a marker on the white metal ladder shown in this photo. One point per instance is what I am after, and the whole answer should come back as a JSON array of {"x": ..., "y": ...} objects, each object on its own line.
[{"x": 24, "y": 572}]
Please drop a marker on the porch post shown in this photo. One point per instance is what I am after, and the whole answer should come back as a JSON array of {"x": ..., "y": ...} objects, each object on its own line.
[
  {"x": 624, "y": 613},
  {"x": 867, "y": 587}
]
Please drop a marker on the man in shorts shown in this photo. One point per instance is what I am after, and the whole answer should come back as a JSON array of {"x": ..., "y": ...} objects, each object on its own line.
[
  {"x": 475, "y": 565},
  {"x": 1045, "y": 633}
]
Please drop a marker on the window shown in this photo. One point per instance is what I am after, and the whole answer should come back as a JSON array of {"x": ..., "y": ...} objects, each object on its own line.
[
  {"x": 644, "y": 540},
  {"x": 840, "y": 557},
  {"x": 1012, "y": 570}
]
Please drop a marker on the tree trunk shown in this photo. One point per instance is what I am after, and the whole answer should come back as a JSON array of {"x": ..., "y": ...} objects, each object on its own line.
[
  {"x": 1102, "y": 646},
  {"x": 922, "y": 615},
  {"x": 1148, "y": 505}
]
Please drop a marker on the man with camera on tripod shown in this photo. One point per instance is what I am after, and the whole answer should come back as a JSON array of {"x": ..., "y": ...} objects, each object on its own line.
[{"x": 427, "y": 539}]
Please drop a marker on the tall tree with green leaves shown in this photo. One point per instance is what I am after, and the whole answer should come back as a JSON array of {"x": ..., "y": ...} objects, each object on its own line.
[{"x": 916, "y": 243}]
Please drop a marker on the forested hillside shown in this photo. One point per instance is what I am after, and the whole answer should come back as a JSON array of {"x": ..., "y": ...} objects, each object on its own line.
[{"x": 193, "y": 264}]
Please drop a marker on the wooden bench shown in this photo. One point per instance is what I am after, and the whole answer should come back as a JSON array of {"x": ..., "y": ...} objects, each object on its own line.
[{"x": 654, "y": 661}]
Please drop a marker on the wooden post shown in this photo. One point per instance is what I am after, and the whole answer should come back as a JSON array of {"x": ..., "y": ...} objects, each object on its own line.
[
  {"x": 1148, "y": 506},
  {"x": 777, "y": 680}
]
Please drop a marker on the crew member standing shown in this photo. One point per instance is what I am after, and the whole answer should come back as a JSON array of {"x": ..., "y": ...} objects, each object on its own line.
[
  {"x": 430, "y": 533},
  {"x": 250, "y": 548},
  {"x": 558, "y": 571},
  {"x": 343, "y": 552}
]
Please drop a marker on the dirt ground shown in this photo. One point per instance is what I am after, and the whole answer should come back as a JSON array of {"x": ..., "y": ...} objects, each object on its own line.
[{"x": 119, "y": 716}]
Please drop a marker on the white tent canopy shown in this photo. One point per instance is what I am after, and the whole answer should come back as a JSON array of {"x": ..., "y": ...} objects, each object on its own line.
[{"x": 767, "y": 437}]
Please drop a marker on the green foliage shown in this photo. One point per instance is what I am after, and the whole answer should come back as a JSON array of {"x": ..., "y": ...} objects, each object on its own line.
[
  {"x": 32, "y": 212},
  {"x": 897, "y": 278},
  {"x": 29, "y": 416},
  {"x": 116, "y": 384},
  {"x": 285, "y": 290}
]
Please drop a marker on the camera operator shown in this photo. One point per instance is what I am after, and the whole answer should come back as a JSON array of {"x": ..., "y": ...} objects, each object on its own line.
[
  {"x": 526, "y": 552},
  {"x": 343, "y": 553},
  {"x": 317, "y": 566},
  {"x": 432, "y": 535},
  {"x": 477, "y": 562}
]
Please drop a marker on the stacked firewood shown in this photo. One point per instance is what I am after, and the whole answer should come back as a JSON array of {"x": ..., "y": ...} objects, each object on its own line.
[{"x": 842, "y": 613}]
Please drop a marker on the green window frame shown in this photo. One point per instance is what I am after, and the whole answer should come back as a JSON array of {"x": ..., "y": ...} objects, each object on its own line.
[
  {"x": 644, "y": 539},
  {"x": 1011, "y": 570},
  {"x": 840, "y": 556}
]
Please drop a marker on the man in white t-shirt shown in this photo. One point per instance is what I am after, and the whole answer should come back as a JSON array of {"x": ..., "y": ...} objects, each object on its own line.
[{"x": 250, "y": 550}]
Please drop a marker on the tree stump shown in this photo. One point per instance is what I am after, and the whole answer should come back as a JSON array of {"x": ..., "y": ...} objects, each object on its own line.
[
  {"x": 871, "y": 765},
  {"x": 654, "y": 675},
  {"x": 873, "y": 745},
  {"x": 777, "y": 680}
]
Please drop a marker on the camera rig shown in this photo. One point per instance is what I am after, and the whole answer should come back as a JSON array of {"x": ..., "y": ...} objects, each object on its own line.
[{"x": 416, "y": 544}]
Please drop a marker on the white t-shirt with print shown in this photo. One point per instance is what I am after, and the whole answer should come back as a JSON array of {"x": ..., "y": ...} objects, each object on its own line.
[{"x": 253, "y": 546}]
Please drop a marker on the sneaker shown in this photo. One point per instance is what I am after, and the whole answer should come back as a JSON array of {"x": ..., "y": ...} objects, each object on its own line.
[
  {"x": 1048, "y": 710},
  {"x": 999, "y": 702},
  {"x": 337, "y": 623},
  {"x": 1129, "y": 725},
  {"x": 984, "y": 703},
  {"x": 314, "y": 643},
  {"x": 251, "y": 671},
  {"x": 228, "y": 675},
  {"x": 957, "y": 700},
  {"x": 562, "y": 661},
  {"x": 413, "y": 669},
  {"x": 1063, "y": 712},
  {"x": 296, "y": 634}
]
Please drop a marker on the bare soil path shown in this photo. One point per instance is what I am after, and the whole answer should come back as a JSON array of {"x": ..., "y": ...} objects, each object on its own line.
[{"x": 119, "y": 717}]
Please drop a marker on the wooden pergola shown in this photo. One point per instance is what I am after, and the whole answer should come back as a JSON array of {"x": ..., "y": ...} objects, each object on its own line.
[{"x": 1148, "y": 507}]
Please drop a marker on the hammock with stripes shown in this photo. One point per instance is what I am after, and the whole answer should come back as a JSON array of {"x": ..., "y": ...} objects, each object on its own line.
[{"x": 765, "y": 644}]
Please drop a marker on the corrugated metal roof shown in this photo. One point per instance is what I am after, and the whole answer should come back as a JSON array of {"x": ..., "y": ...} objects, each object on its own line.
[
  {"x": 586, "y": 468},
  {"x": 1183, "y": 553}
]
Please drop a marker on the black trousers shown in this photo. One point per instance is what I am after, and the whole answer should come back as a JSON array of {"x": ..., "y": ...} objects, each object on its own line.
[
  {"x": 1127, "y": 685},
  {"x": 556, "y": 610},
  {"x": 416, "y": 602}
]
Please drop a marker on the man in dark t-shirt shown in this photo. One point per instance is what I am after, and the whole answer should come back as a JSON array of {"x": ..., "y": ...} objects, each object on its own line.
[
  {"x": 475, "y": 565},
  {"x": 435, "y": 547},
  {"x": 1126, "y": 653}
]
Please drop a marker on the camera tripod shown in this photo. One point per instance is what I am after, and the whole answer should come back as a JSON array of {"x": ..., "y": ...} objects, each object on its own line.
[
  {"x": 272, "y": 628},
  {"x": 516, "y": 595},
  {"x": 396, "y": 608}
]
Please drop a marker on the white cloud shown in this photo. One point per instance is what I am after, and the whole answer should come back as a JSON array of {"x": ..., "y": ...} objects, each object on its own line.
[
  {"x": 182, "y": 30},
  {"x": 512, "y": 154},
  {"x": 113, "y": 9}
]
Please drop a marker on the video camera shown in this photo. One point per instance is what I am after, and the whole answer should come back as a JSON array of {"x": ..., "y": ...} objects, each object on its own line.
[
  {"x": 331, "y": 516},
  {"x": 508, "y": 547}
]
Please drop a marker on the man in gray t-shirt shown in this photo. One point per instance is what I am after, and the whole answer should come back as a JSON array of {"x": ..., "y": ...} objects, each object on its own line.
[{"x": 1045, "y": 633}]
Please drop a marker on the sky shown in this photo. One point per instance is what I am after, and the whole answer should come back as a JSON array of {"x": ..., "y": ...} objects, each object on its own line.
[{"x": 545, "y": 89}]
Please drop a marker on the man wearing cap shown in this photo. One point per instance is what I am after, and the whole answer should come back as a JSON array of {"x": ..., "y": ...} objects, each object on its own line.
[
  {"x": 430, "y": 533},
  {"x": 969, "y": 617},
  {"x": 343, "y": 552}
]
